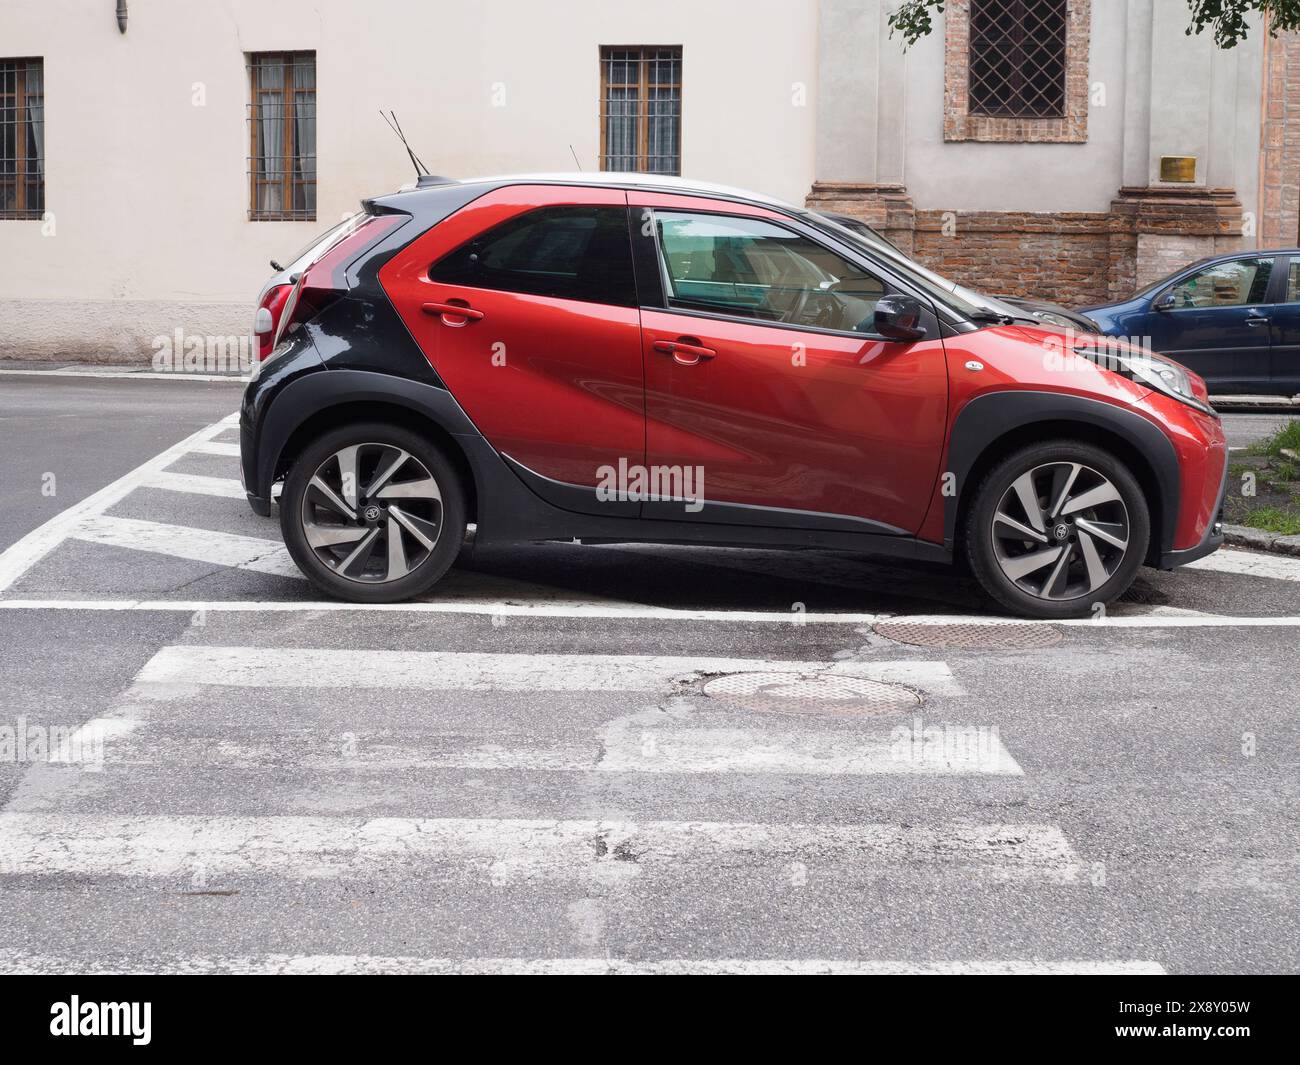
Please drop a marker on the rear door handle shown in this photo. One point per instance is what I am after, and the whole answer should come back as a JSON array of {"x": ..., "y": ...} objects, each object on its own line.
[
  {"x": 1257, "y": 319},
  {"x": 462, "y": 311},
  {"x": 686, "y": 351}
]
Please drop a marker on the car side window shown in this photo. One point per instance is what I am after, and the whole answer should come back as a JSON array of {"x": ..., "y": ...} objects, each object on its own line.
[
  {"x": 1232, "y": 284},
  {"x": 570, "y": 252},
  {"x": 751, "y": 268},
  {"x": 1293, "y": 283}
]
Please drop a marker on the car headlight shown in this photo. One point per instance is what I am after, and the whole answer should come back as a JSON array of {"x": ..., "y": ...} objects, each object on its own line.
[{"x": 1160, "y": 375}]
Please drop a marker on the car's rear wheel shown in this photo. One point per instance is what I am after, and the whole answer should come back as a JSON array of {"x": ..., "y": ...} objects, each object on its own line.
[
  {"x": 372, "y": 513},
  {"x": 1057, "y": 529}
]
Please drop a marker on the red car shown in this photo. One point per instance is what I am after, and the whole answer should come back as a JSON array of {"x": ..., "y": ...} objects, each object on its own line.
[{"x": 618, "y": 357}]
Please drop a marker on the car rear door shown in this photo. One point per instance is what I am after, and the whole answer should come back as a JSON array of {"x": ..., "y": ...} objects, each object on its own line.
[
  {"x": 524, "y": 301},
  {"x": 1284, "y": 354},
  {"x": 1219, "y": 322},
  {"x": 763, "y": 375}
]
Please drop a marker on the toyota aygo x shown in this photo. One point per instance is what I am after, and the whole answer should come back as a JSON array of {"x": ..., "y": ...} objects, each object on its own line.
[{"x": 618, "y": 357}]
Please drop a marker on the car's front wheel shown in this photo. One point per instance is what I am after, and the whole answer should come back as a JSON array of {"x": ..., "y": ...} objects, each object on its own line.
[
  {"x": 372, "y": 513},
  {"x": 1057, "y": 529}
]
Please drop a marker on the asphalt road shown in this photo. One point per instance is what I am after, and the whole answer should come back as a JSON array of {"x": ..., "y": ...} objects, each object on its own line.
[{"x": 561, "y": 761}]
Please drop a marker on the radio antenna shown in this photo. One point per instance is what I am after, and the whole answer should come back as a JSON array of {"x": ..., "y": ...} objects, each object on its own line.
[{"x": 420, "y": 168}]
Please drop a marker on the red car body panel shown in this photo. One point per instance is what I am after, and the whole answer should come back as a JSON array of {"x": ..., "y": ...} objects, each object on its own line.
[
  {"x": 790, "y": 418},
  {"x": 802, "y": 420},
  {"x": 825, "y": 423},
  {"x": 1015, "y": 358},
  {"x": 555, "y": 384}
]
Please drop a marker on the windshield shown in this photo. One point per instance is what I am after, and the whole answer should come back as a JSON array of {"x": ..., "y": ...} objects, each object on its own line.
[
  {"x": 1167, "y": 278},
  {"x": 964, "y": 301}
]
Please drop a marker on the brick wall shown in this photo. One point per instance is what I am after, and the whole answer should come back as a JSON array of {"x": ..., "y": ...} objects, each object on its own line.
[
  {"x": 1064, "y": 258},
  {"x": 1072, "y": 258},
  {"x": 1279, "y": 225}
]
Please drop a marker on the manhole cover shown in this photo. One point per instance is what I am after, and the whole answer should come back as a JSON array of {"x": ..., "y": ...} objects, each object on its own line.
[
  {"x": 984, "y": 637},
  {"x": 810, "y": 693}
]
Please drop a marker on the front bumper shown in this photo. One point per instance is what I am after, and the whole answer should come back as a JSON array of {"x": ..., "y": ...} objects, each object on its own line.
[{"x": 1210, "y": 542}]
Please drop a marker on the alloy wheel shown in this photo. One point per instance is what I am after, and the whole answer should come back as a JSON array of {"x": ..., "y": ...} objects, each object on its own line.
[
  {"x": 372, "y": 513},
  {"x": 1060, "y": 531}
]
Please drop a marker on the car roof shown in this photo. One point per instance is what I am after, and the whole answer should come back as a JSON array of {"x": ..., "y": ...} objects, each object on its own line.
[{"x": 617, "y": 180}]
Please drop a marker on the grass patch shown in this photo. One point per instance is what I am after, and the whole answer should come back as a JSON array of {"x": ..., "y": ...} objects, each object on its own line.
[
  {"x": 1286, "y": 437},
  {"x": 1275, "y": 520}
]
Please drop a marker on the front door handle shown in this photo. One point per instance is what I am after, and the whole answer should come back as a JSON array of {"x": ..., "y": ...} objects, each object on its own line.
[
  {"x": 686, "y": 351},
  {"x": 453, "y": 309},
  {"x": 1257, "y": 319}
]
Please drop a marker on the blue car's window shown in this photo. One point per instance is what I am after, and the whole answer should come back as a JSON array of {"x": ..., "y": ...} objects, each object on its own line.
[
  {"x": 1232, "y": 284},
  {"x": 1293, "y": 282}
]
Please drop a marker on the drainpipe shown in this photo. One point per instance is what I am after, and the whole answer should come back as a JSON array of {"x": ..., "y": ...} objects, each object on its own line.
[{"x": 121, "y": 15}]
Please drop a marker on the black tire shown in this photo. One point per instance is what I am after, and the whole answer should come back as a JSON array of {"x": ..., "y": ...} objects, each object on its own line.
[
  {"x": 432, "y": 564},
  {"x": 991, "y": 560}
]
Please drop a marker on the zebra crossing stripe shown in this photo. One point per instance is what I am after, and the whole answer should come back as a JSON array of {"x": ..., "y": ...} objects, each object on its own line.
[
  {"x": 224, "y": 487},
  {"x": 273, "y": 667},
  {"x": 29, "y": 964},
  {"x": 216, "y": 447},
  {"x": 504, "y": 851},
  {"x": 195, "y": 545}
]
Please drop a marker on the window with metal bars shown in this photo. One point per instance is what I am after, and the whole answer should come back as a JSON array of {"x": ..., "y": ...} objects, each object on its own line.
[
  {"x": 1017, "y": 58},
  {"x": 282, "y": 136},
  {"x": 22, "y": 138},
  {"x": 641, "y": 109}
]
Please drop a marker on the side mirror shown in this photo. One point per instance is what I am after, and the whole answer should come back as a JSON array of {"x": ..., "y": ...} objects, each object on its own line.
[
  {"x": 898, "y": 318},
  {"x": 1164, "y": 303}
]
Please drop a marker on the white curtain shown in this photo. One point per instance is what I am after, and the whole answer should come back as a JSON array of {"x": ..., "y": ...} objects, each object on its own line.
[
  {"x": 36, "y": 119},
  {"x": 270, "y": 136},
  {"x": 304, "y": 133}
]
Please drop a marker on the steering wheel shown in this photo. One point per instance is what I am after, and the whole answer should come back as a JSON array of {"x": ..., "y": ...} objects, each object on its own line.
[{"x": 814, "y": 307}]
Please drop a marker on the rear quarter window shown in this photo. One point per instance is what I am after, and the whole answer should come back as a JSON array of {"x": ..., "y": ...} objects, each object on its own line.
[{"x": 570, "y": 252}]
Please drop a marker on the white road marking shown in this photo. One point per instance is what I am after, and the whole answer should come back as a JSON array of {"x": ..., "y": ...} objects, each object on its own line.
[
  {"x": 706, "y": 750},
  {"x": 275, "y": 667},
  {"x": 21, "y": 556},
  {"x": 485, "y": 607},
  {"x": 216, "y": 447},
  {"x": 618, "y": 748},
  {"x": 1155, "y": 618},
  {"x": 28, "y": 964},
  {"x": 513, "y": 851},
  {"x": 1250, "y": 564},
  {"x": 196, "y": 545},
  {"x": 132, "y": 375},
  {"x": 225, "y": 487}
]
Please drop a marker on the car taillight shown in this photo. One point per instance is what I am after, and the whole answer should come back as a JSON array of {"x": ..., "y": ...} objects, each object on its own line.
[
  {"x": 267, "y": 320},
  {"x": 320, "y": 283}
]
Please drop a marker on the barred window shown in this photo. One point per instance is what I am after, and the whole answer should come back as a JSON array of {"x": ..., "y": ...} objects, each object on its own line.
[
  {"x": 641, "y": 109},
  {"x": 282, "y": 136},
  {"x": 22, "y": 138},
  {"x": 1017, "y": 58}
]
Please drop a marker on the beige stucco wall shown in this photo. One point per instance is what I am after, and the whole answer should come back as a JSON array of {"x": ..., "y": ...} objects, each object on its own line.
[{"x": 149, "y": 192}]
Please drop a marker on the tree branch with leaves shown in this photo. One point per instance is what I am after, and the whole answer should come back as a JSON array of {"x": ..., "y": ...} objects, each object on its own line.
[{"x": 1226, "y": 19}]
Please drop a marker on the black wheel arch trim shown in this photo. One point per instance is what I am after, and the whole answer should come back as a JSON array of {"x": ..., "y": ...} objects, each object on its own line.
[
  {"x": 988, "y": 418},
  {"x": 311, "y": 394}
]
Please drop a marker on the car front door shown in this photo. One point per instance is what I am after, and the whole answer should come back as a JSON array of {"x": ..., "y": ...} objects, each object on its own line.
[
  {"x": 765, "y": 381},
  {"x": 1215, "y": 321},
  {"x": 525, "y": 303},
  {"x": 1284, "y": 355}
]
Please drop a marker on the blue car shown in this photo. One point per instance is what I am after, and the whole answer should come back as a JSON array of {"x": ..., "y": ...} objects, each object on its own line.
[{"x": 1234, "y": 319}]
